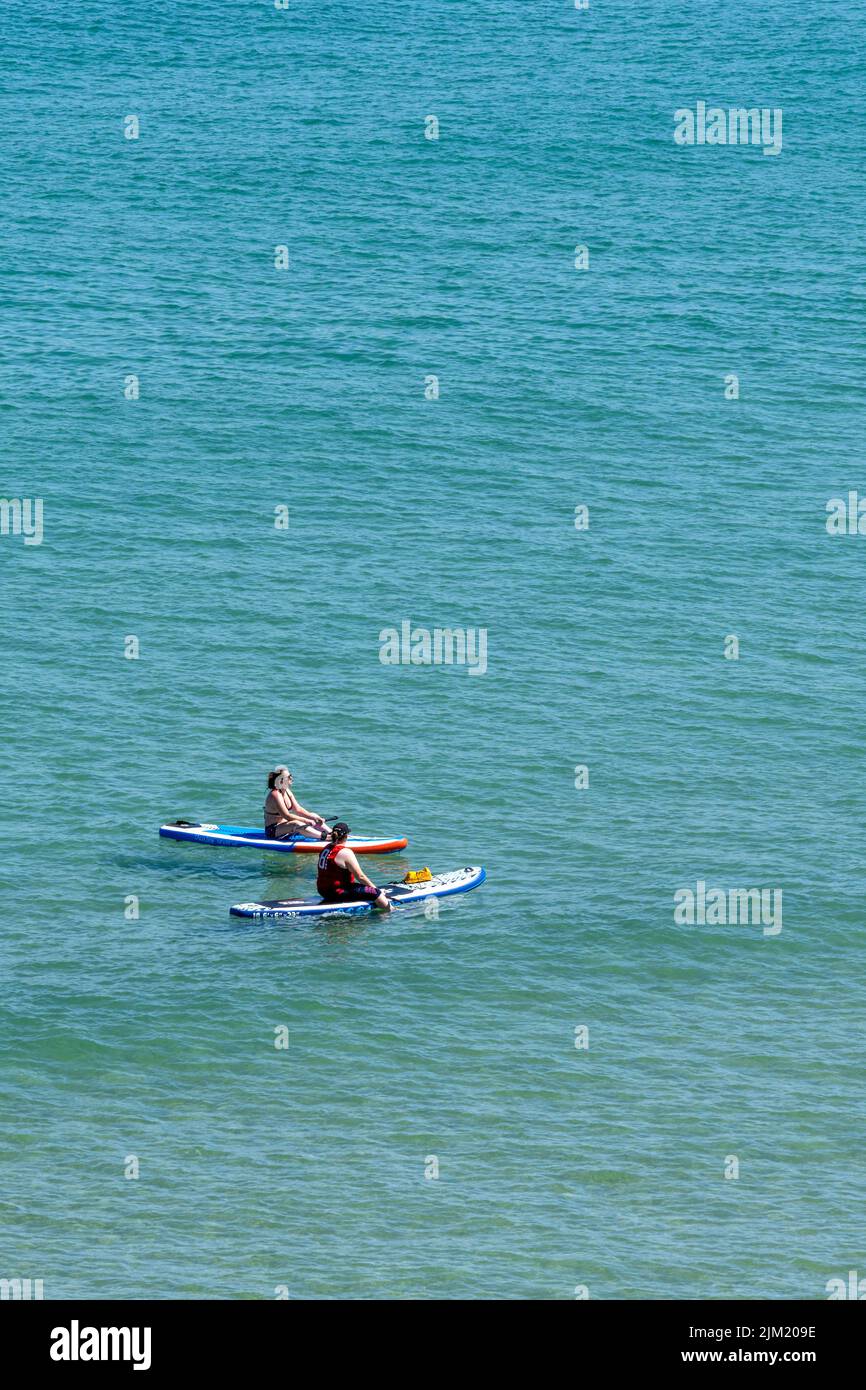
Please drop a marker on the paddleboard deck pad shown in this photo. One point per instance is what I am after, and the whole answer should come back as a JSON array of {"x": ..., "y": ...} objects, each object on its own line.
[
  {"x": 242, "y": 835},
  {"x": 401, "y": 894}
]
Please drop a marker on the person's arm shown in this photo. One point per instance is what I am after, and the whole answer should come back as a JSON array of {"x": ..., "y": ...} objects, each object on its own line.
[
  {"x": 285, "y": 806},
  {"x": 351, "y": 862},
  {"x": 308, "y": 815}
]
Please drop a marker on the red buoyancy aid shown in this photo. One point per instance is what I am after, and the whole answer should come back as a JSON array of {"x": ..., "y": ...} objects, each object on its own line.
[{"x": 332, "y": 878}]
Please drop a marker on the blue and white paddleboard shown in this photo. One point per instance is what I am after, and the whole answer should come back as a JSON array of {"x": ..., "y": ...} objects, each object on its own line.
[
  {"x": 237, "y": 835},
  {"x": 439, "y": 886}
]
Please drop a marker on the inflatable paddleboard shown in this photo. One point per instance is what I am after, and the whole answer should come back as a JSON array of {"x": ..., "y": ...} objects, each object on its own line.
[
  {"x": 439, "y": 886},
  {"x": 297, "y": 844}
]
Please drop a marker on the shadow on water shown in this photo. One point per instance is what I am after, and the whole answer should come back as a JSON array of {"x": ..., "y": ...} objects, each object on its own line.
[
  {"x": 338, "y": 932},
  {"x": 212, "y": 867}
]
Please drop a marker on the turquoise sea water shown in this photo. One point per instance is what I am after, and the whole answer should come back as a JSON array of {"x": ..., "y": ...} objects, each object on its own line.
[{"x": 414, "y": 1037}]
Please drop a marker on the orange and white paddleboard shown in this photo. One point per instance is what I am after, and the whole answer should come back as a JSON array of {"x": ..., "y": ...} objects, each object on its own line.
[{"x": 238, "y": 836}]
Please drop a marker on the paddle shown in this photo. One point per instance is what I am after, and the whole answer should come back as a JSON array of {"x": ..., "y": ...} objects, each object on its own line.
[{"x": 329, "y": 820}]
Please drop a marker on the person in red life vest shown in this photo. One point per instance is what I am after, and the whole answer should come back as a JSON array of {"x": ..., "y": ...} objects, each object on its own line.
[{"x": 341, "y": 879}]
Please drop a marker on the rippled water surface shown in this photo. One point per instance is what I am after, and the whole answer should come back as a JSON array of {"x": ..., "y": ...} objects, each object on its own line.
[{"x": 453, "y": 1037}]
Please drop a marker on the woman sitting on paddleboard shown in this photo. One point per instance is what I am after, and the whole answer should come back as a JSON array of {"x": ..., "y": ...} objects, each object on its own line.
[
  {"x": 341, "y": 879},
  {"x": 284, "y": 814}
]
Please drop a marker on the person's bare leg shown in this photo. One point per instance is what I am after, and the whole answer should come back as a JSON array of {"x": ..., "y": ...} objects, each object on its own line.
[{"x": 293, "y": 828}]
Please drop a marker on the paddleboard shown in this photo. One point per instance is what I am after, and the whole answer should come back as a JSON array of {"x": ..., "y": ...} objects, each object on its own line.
[
  {"x": 439, "y": 886},
  {"x": 241, "y": 835}
]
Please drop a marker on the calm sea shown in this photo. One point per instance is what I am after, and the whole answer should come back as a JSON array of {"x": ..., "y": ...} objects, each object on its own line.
[{"x": 248, "y": 473}]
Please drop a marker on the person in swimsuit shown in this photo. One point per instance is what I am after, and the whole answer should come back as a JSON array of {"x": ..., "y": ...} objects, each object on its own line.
[
  {"x": 341, "y": 879},
  {"x": 284, "y": 814}
]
